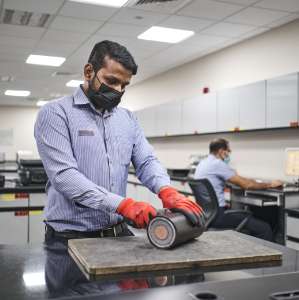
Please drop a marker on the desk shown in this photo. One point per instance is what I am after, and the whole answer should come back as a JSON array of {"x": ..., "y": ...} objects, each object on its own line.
[{"x": 278, "y": 199}]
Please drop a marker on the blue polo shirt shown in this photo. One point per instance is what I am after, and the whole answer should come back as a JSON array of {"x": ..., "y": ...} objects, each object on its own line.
[{"x": 217, "y": 172}]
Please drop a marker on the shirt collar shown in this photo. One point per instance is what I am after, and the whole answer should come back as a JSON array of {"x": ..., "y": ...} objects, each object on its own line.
[{"x": 81, "y": 99}]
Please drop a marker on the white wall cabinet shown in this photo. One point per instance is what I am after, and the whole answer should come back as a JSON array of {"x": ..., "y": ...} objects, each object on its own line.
[
  {"x": 252, "y": 105},
  {"x": 227, "y": 110},
  {"x": 146, "y": 118},
  {"x": 14, "y": 227},
  {"x": 169, "y": 119},
  {"x": 264, "y": 104},
  {"x": 282, "y": 101},
  {"x": 199, "y": 114}
]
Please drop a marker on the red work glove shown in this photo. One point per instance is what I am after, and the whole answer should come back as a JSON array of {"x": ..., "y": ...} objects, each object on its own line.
[
  {"x": 175, "y": 201},
  {"x": 131, "y": 284},
  {"x": 139, "y": 213}
]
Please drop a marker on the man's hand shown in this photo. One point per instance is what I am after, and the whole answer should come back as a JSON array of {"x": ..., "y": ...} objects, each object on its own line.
[
  {"x": 175, "y": 201},
  {"x": 139, "y": 213},
  {"x": 275, "y": 183}
]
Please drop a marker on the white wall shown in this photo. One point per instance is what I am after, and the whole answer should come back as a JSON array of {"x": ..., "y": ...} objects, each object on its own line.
[
  {"x": 21, "y": 120},
  {"x": 259, "y": 154},
  {"x": 268, "y": 55},
  {"x": 255, "y": 154}
]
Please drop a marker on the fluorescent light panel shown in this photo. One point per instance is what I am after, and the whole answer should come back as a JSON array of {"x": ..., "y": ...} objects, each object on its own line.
[
  {"x": 114, "y": 3},
  {"x": 74, "y": 83},
  {"x": 41, "y": 102},
  {"x": 165, "y": 34},
  {"x": 44, "y": 60},
  {"x": 17, "y": 93}
]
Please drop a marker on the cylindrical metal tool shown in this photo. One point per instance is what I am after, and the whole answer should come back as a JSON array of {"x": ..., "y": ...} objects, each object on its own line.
[{"x": 169, "y": 229}]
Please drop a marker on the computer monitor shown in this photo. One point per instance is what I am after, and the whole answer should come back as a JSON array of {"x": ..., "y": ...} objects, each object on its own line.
[{"x": 292, "y": 162}]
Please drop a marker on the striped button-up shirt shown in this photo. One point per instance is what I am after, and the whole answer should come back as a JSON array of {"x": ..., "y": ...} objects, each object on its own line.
[{"x": 86, "y": 155}]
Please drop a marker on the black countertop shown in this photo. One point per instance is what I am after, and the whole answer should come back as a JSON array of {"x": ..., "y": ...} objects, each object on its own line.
[{"x": 47, "y": 271}]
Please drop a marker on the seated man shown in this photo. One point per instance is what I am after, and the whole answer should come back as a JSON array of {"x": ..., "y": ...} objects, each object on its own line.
[{"x": 215, "y": 168}]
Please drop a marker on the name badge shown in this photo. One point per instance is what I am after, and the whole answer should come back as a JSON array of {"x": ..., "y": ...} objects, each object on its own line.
[{"x": 85, "y": 132}]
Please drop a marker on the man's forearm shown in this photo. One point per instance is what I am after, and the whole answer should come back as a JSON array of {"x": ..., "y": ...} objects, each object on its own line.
[
  {"x": 76, "y": 187},
  {"x": 254, "y": 185}
]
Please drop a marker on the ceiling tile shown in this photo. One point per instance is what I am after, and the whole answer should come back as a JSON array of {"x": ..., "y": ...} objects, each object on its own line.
[
  {"x": 284, "y": 20},
  {"x": 254, "y": 32},
  {"x": 17, "y": 41},
  {"x": 21, "y": 71},
  {"x": 75, "y": 24},
  {"x": 285, "y": 5},
  {"x": 40, "y": 6},
  {"x": 11, "y": 56},
  {"x": 55, "y": 49},
  {"x": 125, "y": 30},
  {"x": 256, "y": 16},
  {"x": 137, "y": 17},
  {"x": 21, "y": 31},
  {"x": 64, "y": 36},
  {"x": 228, "y": 29},
  {"x": 186, "y": 23},
  {"x": 18, "y": 51},
  {"x": 167, "y": 7},
  {"x": 87, "y": 11},
  {"x": 205, "y": 41},
  {"x": 209, "y": 9},
  {"x": 240, "y": 2}
]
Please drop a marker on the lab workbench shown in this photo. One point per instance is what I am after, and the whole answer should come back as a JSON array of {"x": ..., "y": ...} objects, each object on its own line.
[
  {"x": 48, "y": 271},
  {"x": 272, "y": 205},
  {"x": 21, "y": 213}
]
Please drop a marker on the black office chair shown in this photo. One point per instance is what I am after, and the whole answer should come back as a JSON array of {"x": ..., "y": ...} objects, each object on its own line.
[{"x": 206, "y": 197}]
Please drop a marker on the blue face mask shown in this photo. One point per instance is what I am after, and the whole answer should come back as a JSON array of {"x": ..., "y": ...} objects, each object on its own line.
[{"x": 227, "y": 159}]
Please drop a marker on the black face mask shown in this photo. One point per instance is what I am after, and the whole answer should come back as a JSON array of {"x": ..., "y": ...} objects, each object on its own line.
[{"x": 105, "y": 97}]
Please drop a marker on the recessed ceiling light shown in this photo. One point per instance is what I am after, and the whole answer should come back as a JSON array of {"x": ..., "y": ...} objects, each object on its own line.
[
  {"x": 165, "y": 34},
  {"x": 44, "y": 60},
  {"x": 115, "y": 3},
  {"x": 74, "y": 83},
  {"x": 17, "y": 93},
  {"x": 41, "y": 102}
]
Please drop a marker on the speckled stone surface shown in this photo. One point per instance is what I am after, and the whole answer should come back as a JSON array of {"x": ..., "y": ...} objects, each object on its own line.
[{"x": 134, "y": 254}]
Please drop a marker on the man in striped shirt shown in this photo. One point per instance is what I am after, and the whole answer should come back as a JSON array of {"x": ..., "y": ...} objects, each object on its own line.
[{"x": 86, "y": 143}]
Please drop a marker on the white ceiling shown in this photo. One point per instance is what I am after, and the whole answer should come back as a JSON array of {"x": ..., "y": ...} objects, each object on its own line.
[{"x": 74, "y": 28}]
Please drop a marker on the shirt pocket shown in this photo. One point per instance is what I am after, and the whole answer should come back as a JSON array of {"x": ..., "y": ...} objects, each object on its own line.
[{"x": 124, "y": 150}]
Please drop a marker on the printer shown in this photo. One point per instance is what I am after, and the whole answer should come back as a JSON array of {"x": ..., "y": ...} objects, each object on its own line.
[{"x": 32, "y": 172}]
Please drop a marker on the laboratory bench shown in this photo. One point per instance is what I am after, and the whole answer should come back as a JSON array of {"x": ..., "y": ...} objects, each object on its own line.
[
  {"x": 47, "y": 271},
  {"x": 21, "y": 212},
  {"x": 272, "y": 205},
  {"x": 8, "y": 166}
]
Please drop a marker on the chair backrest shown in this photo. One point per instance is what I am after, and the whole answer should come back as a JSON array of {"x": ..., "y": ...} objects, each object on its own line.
[{"x": 206, "y": 197}]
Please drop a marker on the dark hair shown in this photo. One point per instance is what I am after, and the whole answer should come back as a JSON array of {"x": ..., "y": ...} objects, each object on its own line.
[
  {"x": 218, "y": 144},
  {"x": 114, "y": 51}
]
